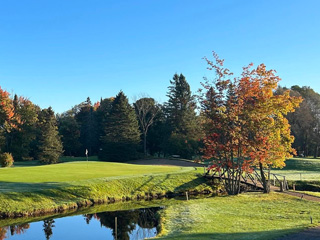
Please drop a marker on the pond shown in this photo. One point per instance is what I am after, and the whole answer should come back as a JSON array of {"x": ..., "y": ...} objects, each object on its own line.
[{"x": 137, "y": 224}]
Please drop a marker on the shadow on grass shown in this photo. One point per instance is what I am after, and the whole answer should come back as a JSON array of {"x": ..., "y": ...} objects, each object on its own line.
[
  {"x": 191, "y": 184},
  {"x": 33, "y": 163},
  {"x": 149, "y": 180},
  {"x": 302, "y": 165},
  {"x": 286, "y": 234},
  {"x": 29, "y": 193},
  {"x": 167, "y": 162},
  {"x": 29, "y": 187}
]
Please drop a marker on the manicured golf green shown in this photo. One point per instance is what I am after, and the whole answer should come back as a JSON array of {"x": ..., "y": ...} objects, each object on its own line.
[
  {"x": 48, "y": 187},
  {"x": 246, "y": 216},
  {"x": 77, "y": 171}
]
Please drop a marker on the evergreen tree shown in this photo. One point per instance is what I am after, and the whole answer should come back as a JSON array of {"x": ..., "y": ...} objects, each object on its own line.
[
  {"x": 101, "y": 115},
  {"x": 49, "y": 142},
  {"x": 121, "y": 139},
  {"x": 88, "y": 135},
  {"x": 182, "y": 119},
  {"x": 69, "y": 131}
]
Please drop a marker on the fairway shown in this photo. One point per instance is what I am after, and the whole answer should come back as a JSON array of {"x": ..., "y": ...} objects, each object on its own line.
[
  {"x": 77, "y": 171},
  {"x": 304, "y": 169},
  {"x": 246, "y": 216},
  {"x": 25, "y": 190}
]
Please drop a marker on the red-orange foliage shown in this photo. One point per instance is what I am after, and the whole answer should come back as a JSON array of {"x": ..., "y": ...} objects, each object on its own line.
[
  {"x": 245, "y": 122},
  {"x": 6, "y": 111}
]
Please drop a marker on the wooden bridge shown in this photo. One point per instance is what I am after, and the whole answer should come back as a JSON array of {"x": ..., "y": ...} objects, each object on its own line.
[{"x": 253, "y": 180}]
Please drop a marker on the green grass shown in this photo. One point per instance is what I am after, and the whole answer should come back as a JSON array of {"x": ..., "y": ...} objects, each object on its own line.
[
  {"x": 33, "y": 163},
  {"x": 317, "y": 194},
  {"x": 246, "y": 216},
  {"x": 76, "y": 171},
  {"x": 48, "y": 187},
  {"x": 304, "y": 169}
]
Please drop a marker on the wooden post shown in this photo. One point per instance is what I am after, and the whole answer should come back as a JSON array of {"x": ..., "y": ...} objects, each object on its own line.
[
  {"x": 285, "y": 183},
  {"x": 116, "y": 227},
  {"x": 311, "y": 219},
  {"x": 281, "y": 186},
  {"x": 293, "y": 187},
  {"x": 187, "y": 196},
  {"x": 274, "y": 180}
]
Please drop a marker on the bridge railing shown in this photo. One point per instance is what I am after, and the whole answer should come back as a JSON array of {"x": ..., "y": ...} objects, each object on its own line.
[
  {"x": 281, "y": 179},
  {"x": 255, "y": 179}
]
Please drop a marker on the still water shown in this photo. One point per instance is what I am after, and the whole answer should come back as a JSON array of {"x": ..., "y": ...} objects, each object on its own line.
[{"x": 122, "y": 225}]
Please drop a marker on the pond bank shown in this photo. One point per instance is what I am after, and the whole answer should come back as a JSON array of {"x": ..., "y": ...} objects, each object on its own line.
[{"x": 72, "y": 195}]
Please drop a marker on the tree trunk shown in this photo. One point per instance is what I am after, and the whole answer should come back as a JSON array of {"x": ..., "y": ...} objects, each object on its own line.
[
  {"x": 265, "y": 182},
  {"x": 232, "y": 181},
  {"x": 145, "y": 144},
  {"x": 315, "y": 155}
]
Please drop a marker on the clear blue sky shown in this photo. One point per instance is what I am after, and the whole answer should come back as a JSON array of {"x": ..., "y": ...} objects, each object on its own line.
[{"x": 59, "y": 52}]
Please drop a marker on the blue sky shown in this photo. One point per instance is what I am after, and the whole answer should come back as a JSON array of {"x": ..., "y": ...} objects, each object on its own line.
[{"x": 57, "y": 53}]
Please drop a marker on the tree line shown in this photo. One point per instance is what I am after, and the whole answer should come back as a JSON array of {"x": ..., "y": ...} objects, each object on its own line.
[
  {"x": 116, "y": 130},
  {"x": 111, "y": 128}
]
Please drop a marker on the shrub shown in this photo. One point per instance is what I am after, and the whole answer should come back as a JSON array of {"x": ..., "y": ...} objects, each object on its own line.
[{"x": 6, "y": 159}]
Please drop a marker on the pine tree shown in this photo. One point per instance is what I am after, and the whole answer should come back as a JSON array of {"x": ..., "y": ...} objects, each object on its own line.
[
  {"x": 49, "y": 142},
  {"x": 69, "y": 131},
  {"x": 88, "y": 135},
  {"x": 182, "y": 119},
  {"x": 122, "y": 136}
]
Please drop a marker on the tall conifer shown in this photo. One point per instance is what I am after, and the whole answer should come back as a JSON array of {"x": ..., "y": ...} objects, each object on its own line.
[
  {"x": 182, "y": 119},
  {"x": 50, "y": 146},
  {"x": 122, "y": 136}
]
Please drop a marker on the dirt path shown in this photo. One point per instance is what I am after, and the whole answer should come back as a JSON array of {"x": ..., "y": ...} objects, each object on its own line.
[
  {"x": 303, "y": 196},
  {"x": 166, "y": 162}
]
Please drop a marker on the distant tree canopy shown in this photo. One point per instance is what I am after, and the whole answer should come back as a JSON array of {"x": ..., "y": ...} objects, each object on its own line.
[
  {"x": 305, "y": 121},
  {"x": 116, "y": 130}
]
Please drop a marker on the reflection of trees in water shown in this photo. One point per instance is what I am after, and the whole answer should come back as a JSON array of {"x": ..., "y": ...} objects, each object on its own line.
[
  {"x": 127, "y": 221},
  {"x": 47, "y": 228},
  {"x": 14, "y": 229}
]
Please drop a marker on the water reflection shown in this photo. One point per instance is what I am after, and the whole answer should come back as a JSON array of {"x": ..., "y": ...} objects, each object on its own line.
[
  {"x": 128, "y": 221},
  {"x": 47, "y": 228},
  {"x": 120, "y": 225},
  {"x": 14, "y": 230}
]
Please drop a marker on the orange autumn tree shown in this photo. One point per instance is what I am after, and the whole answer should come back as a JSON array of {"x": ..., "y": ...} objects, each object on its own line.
[
  {"x": 6, "y": 115},
  {"x": 245, "y": 122}
]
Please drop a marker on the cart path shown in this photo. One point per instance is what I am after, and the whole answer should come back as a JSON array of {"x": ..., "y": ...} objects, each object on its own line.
[{"x": 303, "y": 196}]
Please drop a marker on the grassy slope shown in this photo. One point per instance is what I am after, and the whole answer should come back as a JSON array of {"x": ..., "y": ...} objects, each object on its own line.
[
  {"x": 247, "y": 216},
  {"x": 29, "y": 189},
  {"x": 308, "y": 168}
]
